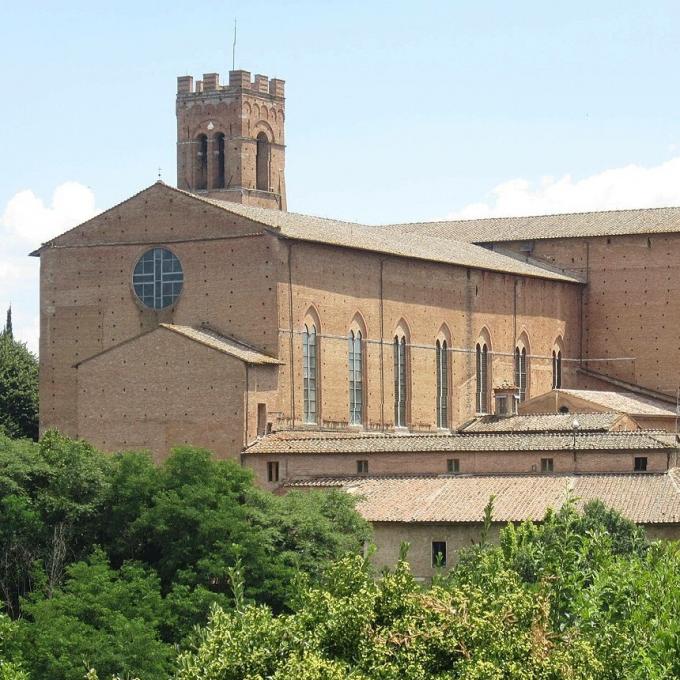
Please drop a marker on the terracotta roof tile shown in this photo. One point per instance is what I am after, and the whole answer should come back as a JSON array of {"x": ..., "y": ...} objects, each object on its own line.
[
  {"x": 642, "y": 497},
  {"x": 568, "y": 225},
  {"x": 376, "y": 239},
  {"x": 546, "y": 422},
  {"x": 222, "y": 343},
  {"x": 324, "y": 442},
  {"x": 623, "y": 402}
]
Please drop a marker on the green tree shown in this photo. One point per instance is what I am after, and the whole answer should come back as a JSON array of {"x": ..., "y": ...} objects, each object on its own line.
[
  {"x": 18, "y": 386},
  {"x": 52, "y": 497},
  {"x": 102, "y": 618}
]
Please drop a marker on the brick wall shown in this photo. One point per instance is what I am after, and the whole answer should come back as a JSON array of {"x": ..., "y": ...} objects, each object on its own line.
[
  {"x": 304, "y": 466},
  {"x": 88, "y": 305},
  {"x": 630, "y": 308}
]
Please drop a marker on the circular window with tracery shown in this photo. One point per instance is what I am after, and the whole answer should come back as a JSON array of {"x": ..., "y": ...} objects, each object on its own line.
[{"x": 158, "y": 278}]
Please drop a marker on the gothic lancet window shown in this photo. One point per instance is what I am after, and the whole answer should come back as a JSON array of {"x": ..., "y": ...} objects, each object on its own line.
[
  {"x": 400, "y": 381},
  {"x": 356, "y": 383},
  {"x": 442, "y": 384},
  {"x": 482, "y": 375},
  {"x": 309, "y": 372},
  {"x": 521, "y": 372},
  {"x": 557, "y": 369}
]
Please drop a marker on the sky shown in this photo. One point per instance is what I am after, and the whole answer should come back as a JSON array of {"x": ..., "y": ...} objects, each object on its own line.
[{"x": 396, "y": 111}]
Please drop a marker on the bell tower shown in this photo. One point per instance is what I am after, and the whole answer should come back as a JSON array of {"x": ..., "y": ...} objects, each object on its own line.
[{"x": 230, "y": 141}]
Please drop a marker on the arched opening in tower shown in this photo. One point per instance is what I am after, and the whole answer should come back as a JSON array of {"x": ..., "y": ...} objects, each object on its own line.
[
  {"x": 262, "y": 162},
  {"x": 201, "y": 170},
  {"x": 220, "y": 171}
]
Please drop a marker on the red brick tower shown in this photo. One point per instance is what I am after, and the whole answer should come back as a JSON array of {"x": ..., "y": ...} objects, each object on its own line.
[{"x": 230, "y": 142}]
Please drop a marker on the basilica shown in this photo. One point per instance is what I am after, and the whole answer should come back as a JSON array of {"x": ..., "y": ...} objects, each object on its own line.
[{"x": 424, "y": 367}]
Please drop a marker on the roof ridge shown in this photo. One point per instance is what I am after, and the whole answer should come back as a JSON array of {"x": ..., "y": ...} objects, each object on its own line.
[{"x": 525, "y": 217}]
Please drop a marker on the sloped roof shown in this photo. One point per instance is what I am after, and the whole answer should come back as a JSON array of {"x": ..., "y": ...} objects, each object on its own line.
[
  {"x": 545, "y": 422},
  {"x": 325, "y": 442},
  {"x": 223, "y": 343},
  {"x": 375, "y": 239},
  {"x": 204, "y": 336},
  {"x": 363, "y": 237},
  {"x": 566, "y": 225},
  {"x": 645, "y": 498},
  {"x": 633, "y": 404}
]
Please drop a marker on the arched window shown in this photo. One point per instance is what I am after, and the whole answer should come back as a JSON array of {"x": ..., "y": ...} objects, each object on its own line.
[
  {"x": 220, "y": 158},
  {"x": 482, "y": 365},
  {"x": 262, "y": 162},
  {"x": 400, "y": 381},
  {"x": 356, "y": 380},
  {"x": 201, "y": 174},
  {"x": 442, "y": 383},
  {"x": 309, "y": 372},
  {"x": 557, "y": 369},
  {"x": 521, "y": 372}
]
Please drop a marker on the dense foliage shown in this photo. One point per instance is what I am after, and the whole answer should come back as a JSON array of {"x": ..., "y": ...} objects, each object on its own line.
[
  {"x": 580, "y": 596},
  {"x": 110, "y": 561},
  {"x": 18, "y": 386}
]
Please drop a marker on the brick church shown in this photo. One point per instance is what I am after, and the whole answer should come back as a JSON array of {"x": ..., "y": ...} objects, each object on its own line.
[{"x": 423, "y": 367}]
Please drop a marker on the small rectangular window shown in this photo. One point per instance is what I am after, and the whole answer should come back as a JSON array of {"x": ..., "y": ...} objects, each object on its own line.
[
  {"x": 261, "y": 420},
  {"x": 640, "y": 463},
  {"x": 453, "y": 465},
  {"x": 438, "y": 553},
  {"x": 273, "y": 471},
  {"x": 362, "y": 467},
  {"x": 546, "y": 464}
]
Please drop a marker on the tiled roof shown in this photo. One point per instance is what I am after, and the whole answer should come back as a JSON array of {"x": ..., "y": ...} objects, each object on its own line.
[
  {"x": 623, "y": 402},
  {"x": 547, "y": 422},
  {"x": 642, "y": 497},
  {"x": 325, "y": 442},
  {"x": 604, "y": 223},
  {"x": 222, "y": 343},
  {"x": 363, "y": 237}
]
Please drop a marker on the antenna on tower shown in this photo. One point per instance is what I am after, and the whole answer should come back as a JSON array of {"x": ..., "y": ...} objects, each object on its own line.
[{"x": 233, "y": 49}]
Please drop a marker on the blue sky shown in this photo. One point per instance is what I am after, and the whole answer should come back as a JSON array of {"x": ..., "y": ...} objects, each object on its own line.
[{"x": 396, "y": 111}]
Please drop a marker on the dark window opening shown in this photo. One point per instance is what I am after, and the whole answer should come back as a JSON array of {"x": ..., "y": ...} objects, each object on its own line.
[
  {"x": 640, "y": 463},
  {"x": 438, "y": 553},
  {"x": 201, "y": 174},
  {"x": 220, "y": 161},
  {"x": 564, "y": 409},
  {"x": 453, "y": 465},
  {"x": 557, "y": 369},
  {"x": 261, "y": 420},
  {"x": 262, "y": 162},
  {"x": 362, "y": 467},
  {"x": 273, "y": 471},
  {"x": 546, "y": 464}
]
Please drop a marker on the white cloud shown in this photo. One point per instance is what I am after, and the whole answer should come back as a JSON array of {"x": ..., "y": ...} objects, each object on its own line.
[
  {"x": 27, "y": 217},
  {"x": 26, "y": 222},
  {"x": 631, "y": 186}
]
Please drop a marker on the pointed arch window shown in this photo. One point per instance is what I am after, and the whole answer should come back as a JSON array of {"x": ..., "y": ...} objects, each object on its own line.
[
  {"x": 482, "y": 365},
  {"x": 557, "y": 369},
  {"x": 356, "y": 381},
  {"x": 309, "y": 373},
  {"x": 400, "y": 381},
  {"x": 442, "y": 384},
  {"x": 521, "y": 372}
]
